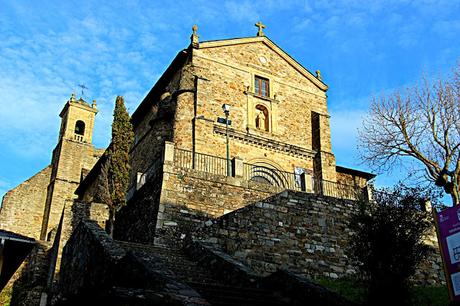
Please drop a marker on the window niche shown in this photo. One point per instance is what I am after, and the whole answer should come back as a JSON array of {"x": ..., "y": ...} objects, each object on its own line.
[
  {"x": 261, "y": 87},
  {"x": 262, "y": 109}
]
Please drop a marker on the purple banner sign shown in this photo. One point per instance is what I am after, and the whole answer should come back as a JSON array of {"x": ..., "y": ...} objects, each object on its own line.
[{"x": 448, "y": 228}]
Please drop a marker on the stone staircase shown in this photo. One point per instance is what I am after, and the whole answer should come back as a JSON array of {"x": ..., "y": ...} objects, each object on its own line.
[{"x": 210, "y": 287}]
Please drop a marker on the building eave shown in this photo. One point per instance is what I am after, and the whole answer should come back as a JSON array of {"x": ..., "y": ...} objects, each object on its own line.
[{"x": 363, "y": 174}]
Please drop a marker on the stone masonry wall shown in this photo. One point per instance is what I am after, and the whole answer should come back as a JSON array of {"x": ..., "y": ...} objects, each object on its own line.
[
  {"x": 96, "y": 270},
  {"x": 74, "y": 156},
  {"x": 226, "y": 75},
  {"x": 352, "y": 180},
  {"x": 29, "y": 282},
  {"x": 294, "y": 231},
  {"x": 155, "y": 128},
  {"x": 190, "y": 198},
  {"x": 22, "y": 207},
  {"x": 70, "y": 158},
  {"x": 136, "y": 222},
  {"x": 75, "y": 212},
  {"x": 300, "y": 232}
]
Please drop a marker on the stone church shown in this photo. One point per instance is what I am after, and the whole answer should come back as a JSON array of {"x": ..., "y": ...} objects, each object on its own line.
[{"x": 235, "y": 195}]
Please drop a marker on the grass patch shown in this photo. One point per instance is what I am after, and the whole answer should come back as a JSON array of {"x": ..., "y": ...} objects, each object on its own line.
[
  {"x": 354, "y": 291},
  {"x": 351, "y": 289},
  {"x": 5, "y": 295},
  {"x": 430, "y": 296}
]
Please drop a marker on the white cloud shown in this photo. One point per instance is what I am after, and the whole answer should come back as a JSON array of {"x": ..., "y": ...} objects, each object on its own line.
[{"x": 242, "y": 10}]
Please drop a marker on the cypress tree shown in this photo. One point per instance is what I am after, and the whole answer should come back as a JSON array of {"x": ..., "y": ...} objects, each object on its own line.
[{"x": 118, "y": 159}]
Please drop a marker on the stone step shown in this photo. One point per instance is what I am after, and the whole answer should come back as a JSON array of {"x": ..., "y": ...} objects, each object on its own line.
[
  {"x": 203, "y": 281},
  {"x": 229, "y": 295},
  {"x": 176, "y": 261}
]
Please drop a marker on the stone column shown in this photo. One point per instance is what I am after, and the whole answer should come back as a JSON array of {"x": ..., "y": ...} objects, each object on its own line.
[
  {"x": 237, "y": 165},
  {"x": 321, "y": 142},
  {"x": 169, "y": 152},
  {"x": 140, "y": 180},
  {"x": 307, "y": 184}
]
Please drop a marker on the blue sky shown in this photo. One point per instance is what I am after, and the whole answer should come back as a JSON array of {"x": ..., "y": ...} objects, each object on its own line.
[{"x": 363, "y": 48}]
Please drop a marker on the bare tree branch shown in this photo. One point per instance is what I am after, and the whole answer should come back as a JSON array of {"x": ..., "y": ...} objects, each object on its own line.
[{"x": 422, "y": 123}]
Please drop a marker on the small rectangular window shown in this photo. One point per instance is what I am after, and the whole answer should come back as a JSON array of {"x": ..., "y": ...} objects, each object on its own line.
[{"x": 261, "y": 87}]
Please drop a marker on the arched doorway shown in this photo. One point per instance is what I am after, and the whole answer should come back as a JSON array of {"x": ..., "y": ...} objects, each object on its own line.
[{"x": 266, "y": 172}]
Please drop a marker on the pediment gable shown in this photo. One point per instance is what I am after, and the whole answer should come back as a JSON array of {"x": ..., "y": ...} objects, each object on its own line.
[{"x": 272, "y": 46}]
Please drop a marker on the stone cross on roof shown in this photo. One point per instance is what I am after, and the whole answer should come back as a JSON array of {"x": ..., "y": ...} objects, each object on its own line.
[
  {"x": 194, "y": 37},
  {"x": 260, "y": 32}
]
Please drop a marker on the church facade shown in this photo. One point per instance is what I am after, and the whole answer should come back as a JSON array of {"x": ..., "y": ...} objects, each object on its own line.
[
  {"x": 277, "y": 108},
  {"x": 230, "y": 122}
]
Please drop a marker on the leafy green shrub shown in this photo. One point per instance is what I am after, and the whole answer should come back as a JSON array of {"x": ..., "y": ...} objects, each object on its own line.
[{"x": 388, "y": 242}]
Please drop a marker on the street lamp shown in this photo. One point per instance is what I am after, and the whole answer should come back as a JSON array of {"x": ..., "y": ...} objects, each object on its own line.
[{"x": 226, "y": 109}]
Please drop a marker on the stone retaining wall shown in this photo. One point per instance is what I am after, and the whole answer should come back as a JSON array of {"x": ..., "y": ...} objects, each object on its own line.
[
  {"x": 295, "y": 231},
  {"x": 299, "y": 232},
  {"x": 97, "y": 270},
  {"x": 29, "y": 281},
  {"x": 292, "y": 230},
  {"x": 190, "y": 199}
]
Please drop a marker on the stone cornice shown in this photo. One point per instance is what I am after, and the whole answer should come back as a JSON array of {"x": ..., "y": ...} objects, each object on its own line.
[
  {"x": 250, "y": 93},
  {"x": 266, "y": 143}
]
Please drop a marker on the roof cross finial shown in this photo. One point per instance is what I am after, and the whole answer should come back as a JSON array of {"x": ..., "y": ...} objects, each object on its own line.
[{"x": 260, "y": 32}]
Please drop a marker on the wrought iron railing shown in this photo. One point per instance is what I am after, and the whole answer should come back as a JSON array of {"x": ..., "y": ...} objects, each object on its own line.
[
  {"x": 268, "y": 175},
  {"x": 272, "y": 176},
  {"x": 337, "y": 190},
  {"x": 261, "y": 173},
  {"x": 200, "y": 162}
]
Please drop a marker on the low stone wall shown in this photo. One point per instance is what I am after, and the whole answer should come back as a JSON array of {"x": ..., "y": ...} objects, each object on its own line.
[
  {"x": 222, "y": 265},
  {"x": 295, "y": 231},
  {"x": 430, "y": 271},
  {"x": 190, "y": 198},
  {"x": 294, "y": 289},
  {"x": 292, "y": 230},
  {"x": 97, "y": 270},
  {"x": 87, "y": 261},
  {"x": 29, "y": 282},
  {"x": 74, "y": 212}
]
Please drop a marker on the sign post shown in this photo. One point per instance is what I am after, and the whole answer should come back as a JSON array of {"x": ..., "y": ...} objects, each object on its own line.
[{"x": 448, "y": 231}]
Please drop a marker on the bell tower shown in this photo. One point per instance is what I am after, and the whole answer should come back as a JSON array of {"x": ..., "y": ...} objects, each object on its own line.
[
  {"x": 73, "y": 152},
  {"x": 77, "y": 121}
]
